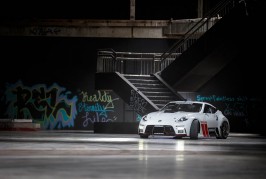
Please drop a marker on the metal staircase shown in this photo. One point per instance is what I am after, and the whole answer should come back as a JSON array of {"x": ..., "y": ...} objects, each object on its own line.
[
  {"x": 157, "y": 92},
  {"x": 133, "y": 77},
  {"x": 139, "y": 73}
]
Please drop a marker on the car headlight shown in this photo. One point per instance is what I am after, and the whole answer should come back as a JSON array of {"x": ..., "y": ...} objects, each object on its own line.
[
  {"x": 144, "y": 118},
  {"x": 182, "y": 119}
]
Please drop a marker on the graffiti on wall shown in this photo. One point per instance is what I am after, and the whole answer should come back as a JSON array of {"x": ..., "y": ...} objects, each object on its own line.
[
  {"x": 98, "y": 107},
  {"x": 54, "y": 106},
  {"x": 233, "y": 105},
  {"x": 138, "y": 118},
  {"x": 137, "y": 102},
  {"x": 45, "y": 31}
]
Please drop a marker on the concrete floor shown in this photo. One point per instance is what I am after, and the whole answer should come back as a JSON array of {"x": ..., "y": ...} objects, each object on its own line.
[{"x": 83, "y": 154}]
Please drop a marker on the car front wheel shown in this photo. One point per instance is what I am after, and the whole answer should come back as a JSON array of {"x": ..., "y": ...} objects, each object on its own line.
[
  {"x": 194, "y": 129},
  {"x": 143, "y": 136}
]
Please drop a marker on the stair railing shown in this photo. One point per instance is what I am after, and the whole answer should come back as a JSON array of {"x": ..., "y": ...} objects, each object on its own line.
[
  {"x": 150, "y": 63},
  {"x": 106, "y": 60},
  {"x": 196, "y": 31},
  {"x": 129, "y": 62}
]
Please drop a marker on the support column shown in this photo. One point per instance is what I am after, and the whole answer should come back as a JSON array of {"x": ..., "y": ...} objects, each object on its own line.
[
  {"x": 200, "y": 8},
  {"x": 132, "y": 9}
]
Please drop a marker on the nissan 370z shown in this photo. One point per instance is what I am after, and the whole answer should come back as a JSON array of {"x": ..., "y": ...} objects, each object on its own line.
[{"x": 191, "y": 119}]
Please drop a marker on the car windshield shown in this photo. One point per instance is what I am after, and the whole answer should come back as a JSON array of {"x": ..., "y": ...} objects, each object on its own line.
[{"x": 184, "y": 107}]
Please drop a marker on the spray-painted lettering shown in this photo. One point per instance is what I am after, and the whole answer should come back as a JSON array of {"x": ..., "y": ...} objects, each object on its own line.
[
  {"x": 95, "y": 117},
  {"x": 137, "y": 102},
  {"x": 52, "y": 106},
  {"x": 44, "y": 31},
  {"x": 233, "y": 106},
  {"x": 98, "y": 107}
]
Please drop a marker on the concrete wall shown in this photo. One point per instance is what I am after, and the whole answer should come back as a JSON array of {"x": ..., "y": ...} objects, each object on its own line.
[{"x": 51, "y": 80}]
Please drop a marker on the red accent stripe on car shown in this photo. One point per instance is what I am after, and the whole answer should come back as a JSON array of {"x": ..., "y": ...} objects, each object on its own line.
[{"x": 205, "y": 130}]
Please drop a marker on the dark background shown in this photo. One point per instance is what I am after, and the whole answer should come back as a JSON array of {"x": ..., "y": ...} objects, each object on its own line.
[
  {"x": 102, "y": 9},
  {"x": 71, "y": 61}
]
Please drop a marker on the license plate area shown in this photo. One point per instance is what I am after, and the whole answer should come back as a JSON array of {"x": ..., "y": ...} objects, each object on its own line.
[{"x": 158, "y": 130}]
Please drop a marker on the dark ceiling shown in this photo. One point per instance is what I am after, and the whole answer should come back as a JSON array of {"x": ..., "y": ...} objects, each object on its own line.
[{"x": 101, "y": 9}]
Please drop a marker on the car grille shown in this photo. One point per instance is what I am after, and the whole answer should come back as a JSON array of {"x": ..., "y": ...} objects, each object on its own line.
[{"x": 160, "y": 130}]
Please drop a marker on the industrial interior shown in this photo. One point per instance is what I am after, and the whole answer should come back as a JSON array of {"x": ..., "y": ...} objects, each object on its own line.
[{"x": 77, "y": 78}]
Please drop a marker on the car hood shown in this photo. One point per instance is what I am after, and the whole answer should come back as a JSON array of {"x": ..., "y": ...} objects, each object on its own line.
[{"x": 160, "y": 115}]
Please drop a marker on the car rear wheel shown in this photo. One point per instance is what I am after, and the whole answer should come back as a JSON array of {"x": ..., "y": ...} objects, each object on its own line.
[
  {"x": 224, "y": 130},
  {"x": 194, "y": 129}
]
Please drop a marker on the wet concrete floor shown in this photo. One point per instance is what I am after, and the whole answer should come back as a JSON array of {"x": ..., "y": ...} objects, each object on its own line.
[{"x": 84, "y": 154}]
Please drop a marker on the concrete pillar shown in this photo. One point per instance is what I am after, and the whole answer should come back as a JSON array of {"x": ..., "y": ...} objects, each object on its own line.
[{"x": 132, "y": 9}]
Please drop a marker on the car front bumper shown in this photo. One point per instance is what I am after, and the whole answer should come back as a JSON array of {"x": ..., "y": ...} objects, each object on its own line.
[{"x": 166, "y": 130}]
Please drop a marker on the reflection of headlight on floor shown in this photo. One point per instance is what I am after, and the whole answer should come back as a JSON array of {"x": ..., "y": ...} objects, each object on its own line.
[{"x": 180, "y": 146}]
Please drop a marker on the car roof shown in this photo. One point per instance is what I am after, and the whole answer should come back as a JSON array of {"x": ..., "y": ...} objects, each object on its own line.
[{"x": 189, "y": 102}]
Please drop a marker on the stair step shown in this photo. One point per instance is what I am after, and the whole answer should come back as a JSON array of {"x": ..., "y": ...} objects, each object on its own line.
[
  {"x": 168, "y": 94},
  {"x": 150, "y": 81},
  {"x": 162, "y": 97},
  {"x": 153, "y": 89},
  {"x": 155, "y": 93},
  {"x": 158, "y": 101},
  {"x": 172, "y": 98},
  {"x": 144, "y": 89},
  {"x": 148, "y": 85},
  {"x": 139, "y": 77}
]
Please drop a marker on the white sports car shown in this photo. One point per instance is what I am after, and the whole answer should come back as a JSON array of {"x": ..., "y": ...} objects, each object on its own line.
[{"x": 185, "y": 119}]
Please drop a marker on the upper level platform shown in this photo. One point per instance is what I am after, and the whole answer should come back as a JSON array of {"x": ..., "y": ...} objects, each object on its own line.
[{"x": 173, "y": 29}]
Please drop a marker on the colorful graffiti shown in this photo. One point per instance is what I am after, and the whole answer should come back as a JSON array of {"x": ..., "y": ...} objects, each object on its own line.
[
  {"x": 52, "y": 106},
  {"x": 137, "y": 102},
  {"x": 215, "y": 98},
  {"x": 233, "y": 105},
  {"x": 97, "y": 107},
  {"x": 45, "y": 31},
  {"x": 138, "y": 118}
]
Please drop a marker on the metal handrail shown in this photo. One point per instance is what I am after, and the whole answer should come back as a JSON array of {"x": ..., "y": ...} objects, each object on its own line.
[
  {"x": 129, "y": 62},
  {"x": 107, "y": 52},
  {"x": 214, "y": 13},
  {"x": 149, "y": 63}
]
